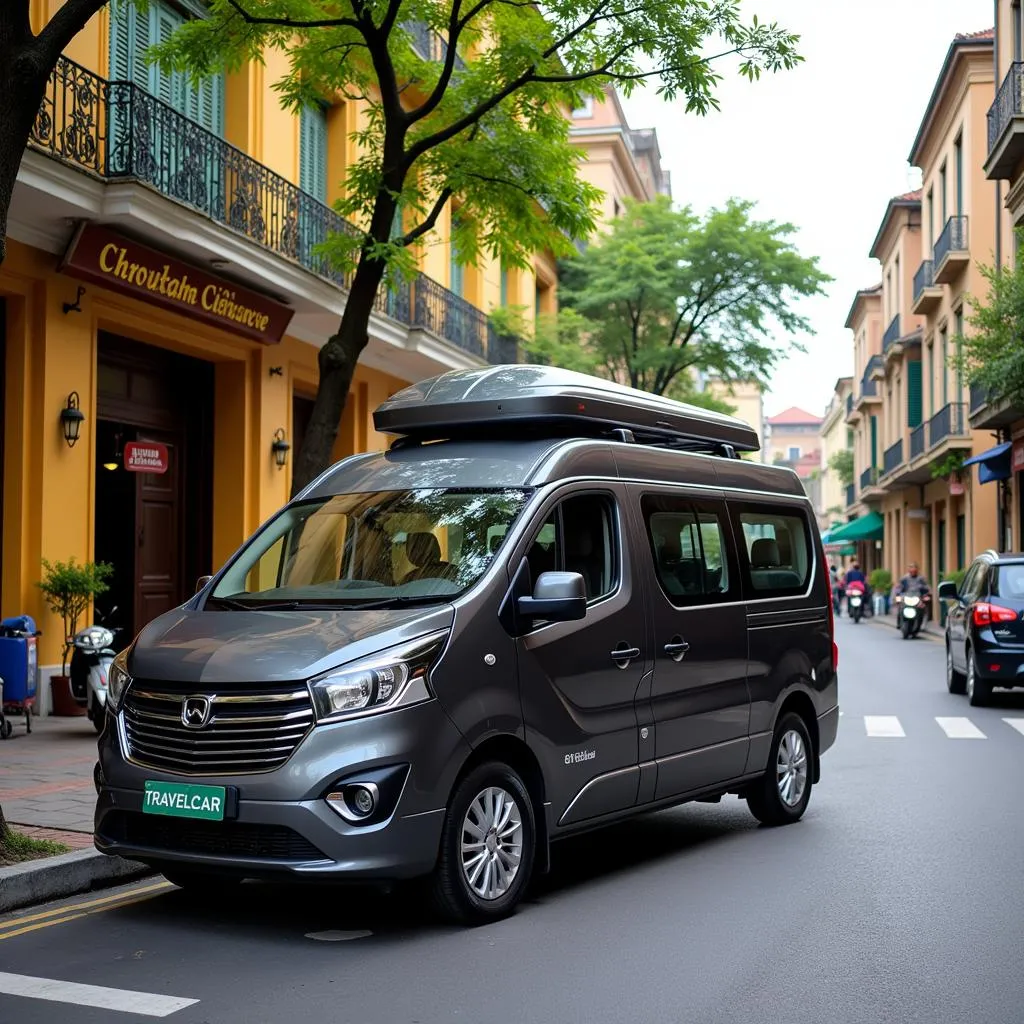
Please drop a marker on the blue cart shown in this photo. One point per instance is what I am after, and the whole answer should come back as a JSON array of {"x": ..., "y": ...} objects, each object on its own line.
[{"x": 18, "y": 671}]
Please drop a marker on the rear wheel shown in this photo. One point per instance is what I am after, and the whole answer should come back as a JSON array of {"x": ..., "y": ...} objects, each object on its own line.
[
  {"x": 979, "y": 691},
  {"x": 487, "y": 847},
  {"x": 782, "y": 794},
  {"x": 956, "y": 682}
]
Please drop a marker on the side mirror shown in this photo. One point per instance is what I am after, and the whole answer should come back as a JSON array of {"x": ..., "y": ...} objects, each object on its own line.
[
  {"x": 202, "y": 583},
  {"x": 557, "y": 597},
  {"x": 948, "y": 591}
]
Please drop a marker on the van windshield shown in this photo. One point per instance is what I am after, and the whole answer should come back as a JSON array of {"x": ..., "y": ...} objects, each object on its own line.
[{"x": 379, "y": 549}]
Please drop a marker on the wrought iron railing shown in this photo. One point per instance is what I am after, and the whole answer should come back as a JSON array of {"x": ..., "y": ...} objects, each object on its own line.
[
  {"x": 924, "y": 278},
  {"x": 979, "y": 397},
  {"x": 949, "y": 421},
  {"x": 952, "y": 239},
  {"x": 502, "y": 348},
  {"x": 892, "y": 333},
  {"x": 918, "y": 440},
  {"x": 868, "y": 385},
  {"x": 118, "y": 131},
  {"x": 851, "y": 494},
  {"x": 849, "y": 404},
  {"x": 1009, "y": 103},
  {"x": 869, "y": 478},
  {"x": 892, "y": 459}
]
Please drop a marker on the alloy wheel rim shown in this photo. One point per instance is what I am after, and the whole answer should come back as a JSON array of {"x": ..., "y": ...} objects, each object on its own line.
[
  {"x": 970, "y": 676},
  {"x": 492, "y": 843},
  {"x": 949, "y": 664},
  {"x": 791, "y": 768}
]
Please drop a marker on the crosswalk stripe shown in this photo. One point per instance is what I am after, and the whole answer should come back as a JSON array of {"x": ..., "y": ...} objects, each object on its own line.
[
  {"x": 148, "y": 1004},
  {"x": 960, "y": 728},
  {"x": 1015, "y": 723},
  {"x": 883, "y": 725}
]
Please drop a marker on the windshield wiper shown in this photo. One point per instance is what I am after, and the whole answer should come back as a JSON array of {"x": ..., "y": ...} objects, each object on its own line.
[
  {"x": 389, "y": 602},
  {"x": 250, "y": 606}
]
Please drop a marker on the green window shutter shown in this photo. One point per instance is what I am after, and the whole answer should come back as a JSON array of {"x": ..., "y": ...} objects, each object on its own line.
[
  {"x": 503, "y": 301},
  {"x": 164, "y": 85},
  {"x": 313, "y": 152},
  {"x": 456, "y": 270},
  {"x": 122, "y": 41},
  {"x": 914, "y": 412}
]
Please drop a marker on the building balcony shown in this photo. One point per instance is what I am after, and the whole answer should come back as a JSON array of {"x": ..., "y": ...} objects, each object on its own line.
[
  {"x": 137, "y": 153},
  {"x": 869, "y": 488},
  {"x": 927, "y": 294},
  {"x": 951, "y": 255},
  {"x": 1006, "y": 126},
  {"x": 892, "y": 459},
  {"x": 987, "y": 413},
  {"x": 875, "y": 370},
  {"x": 851, "y": 495},
  {"x": 852, "y": 409},
  {"x": 949, "y": 428},
  {"x": 892, "y": 334}
]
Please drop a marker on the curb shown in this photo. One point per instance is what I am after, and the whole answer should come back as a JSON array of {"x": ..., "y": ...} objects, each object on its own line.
[{"x": 51, "y": 878}]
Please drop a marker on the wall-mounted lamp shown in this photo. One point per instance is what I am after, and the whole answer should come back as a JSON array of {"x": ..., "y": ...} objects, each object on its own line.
[
  {"x": 280, "y": 448},
  {"x": 76, "y": 306},
  {"x": 71, "y": 418}
]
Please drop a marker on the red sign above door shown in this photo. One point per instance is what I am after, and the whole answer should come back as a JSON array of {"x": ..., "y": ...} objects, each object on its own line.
[{"x": 145, "y": 457}]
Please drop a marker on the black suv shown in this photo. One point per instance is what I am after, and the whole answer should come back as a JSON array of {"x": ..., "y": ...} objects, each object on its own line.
[{"x": 985, "y": 627}]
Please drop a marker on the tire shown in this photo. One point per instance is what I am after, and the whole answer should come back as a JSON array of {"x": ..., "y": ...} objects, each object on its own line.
[
  {"x": 455, "y": 890},
  {"x": 956, "y": 682},
  {"x": 200, "y": 883},
  {"x": 978, "y": 690},
  {"x": 905, "y": 628},
  {"x": 99, "y": 718},
  {"x": 765, "y": 798}
]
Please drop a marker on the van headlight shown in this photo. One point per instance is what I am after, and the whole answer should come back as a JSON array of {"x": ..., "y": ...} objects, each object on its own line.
[
  {"x": 117, "y": 680},
  {"x": 390, "y": 679}
]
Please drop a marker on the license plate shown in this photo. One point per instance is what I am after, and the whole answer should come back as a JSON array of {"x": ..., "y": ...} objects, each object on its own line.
[{"x": 183, "y": 800}]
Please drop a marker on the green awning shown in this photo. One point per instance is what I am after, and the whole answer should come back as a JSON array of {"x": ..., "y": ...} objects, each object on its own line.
[{"x": 869, "y": 527}]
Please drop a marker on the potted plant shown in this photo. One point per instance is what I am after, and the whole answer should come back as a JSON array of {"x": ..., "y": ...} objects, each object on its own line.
[
  {"x": 68, "y": 588},
  {"x": 880, "y": 582}
]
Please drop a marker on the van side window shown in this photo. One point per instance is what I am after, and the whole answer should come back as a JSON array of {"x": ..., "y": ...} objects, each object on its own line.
[
  {"x": 688, "y": 545},
  {"x": 579, "y": 536},
  {"x": 777, "y": 544}
]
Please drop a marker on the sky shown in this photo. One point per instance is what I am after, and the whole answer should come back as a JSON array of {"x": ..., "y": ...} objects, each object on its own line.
[{"x": 823, "y": 147}]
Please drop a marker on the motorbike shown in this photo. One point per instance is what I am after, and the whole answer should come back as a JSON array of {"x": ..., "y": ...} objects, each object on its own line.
[
  {"x": 910, "y": 611},
  {"x": 90, "y": 662},
  {"x": 855, "y": 599}
]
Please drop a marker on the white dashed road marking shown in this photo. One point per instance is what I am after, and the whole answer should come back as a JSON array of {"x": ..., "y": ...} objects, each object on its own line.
[
  {"x": 960, "y": 729},
  {"x": 883, "y": 725},
  {"x": 124, "y": 1001},
  {"x": 1015, "y": 723}
]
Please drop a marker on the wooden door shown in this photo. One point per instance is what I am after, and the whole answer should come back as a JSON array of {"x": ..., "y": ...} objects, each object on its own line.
[{"x": 158, "y": 534}]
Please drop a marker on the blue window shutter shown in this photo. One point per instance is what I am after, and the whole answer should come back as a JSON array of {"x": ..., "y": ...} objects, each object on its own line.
[
  {"x": 122, "y": 32},
  {"x": 456, "y": 270},
  {"x": 504, "y": 285},
  {"x": 874, "y": 441},
  {"x": 914, "y": 411},
  {"x": 165, "y": 85},
  {"x": 313, "y": 152}
]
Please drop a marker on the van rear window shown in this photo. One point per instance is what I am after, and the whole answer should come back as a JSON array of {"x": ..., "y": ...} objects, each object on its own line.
[{"x": 777, "y": 543}]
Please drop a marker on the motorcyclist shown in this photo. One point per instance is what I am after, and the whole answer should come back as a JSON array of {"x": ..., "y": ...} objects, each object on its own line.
[
  {"x": 914, "y": 584},
  {"x": 855, "y": 582}
]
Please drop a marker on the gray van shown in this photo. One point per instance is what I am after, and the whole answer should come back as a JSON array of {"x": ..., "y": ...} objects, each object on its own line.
[{"x": 554, "y": 603}]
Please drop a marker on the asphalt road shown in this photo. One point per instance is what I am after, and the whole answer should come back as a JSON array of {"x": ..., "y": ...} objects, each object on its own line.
[{"x": 900, "y": 897}]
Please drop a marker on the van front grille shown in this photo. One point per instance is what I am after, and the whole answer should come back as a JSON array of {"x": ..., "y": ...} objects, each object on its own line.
[{"x": 244, "y": 731}]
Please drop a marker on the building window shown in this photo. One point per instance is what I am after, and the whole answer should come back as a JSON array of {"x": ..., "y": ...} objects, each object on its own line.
[
  {"x": 931, "y": 219},
  {"x": 313, "y": 151},
  {"x": 794, "y": 455},
  {"x": 456, "y": 270},
  {"x": 942, "y": 192},
  {"x": 944, "y": 367},
  {"x": 896, "y": 293},
  {"x": 132, "y": 32},
  {"x": 587, "y": 108},
  {"x": 958, "y": 170},
  {"x": 958, "y": 326},
  {"x": 503, "y": 301}
]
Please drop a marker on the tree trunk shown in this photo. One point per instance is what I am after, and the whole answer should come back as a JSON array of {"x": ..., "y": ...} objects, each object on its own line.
[{"x": 337, "y": 361}]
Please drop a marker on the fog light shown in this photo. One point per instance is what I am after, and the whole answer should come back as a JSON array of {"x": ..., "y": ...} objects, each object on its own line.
[
  {"x": 362, "y": 800},
  {"x": 97, "y": 777}
]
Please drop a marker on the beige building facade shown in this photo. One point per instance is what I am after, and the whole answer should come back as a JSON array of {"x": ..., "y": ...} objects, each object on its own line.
[{"x": 836, "y": 436}]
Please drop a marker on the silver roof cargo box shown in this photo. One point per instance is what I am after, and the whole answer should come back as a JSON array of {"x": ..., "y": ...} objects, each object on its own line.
[{"x": 531, "y": 401}]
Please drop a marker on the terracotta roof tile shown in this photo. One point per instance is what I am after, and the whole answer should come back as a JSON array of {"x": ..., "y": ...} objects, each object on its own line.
[
  {"x": 908, "y": 197},
  {"x": 793, "y": 416},
  {"x": 985, "y": 33}
]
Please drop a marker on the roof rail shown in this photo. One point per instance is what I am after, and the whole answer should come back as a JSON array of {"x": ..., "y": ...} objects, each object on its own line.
[{"x": 541, "y": 401}]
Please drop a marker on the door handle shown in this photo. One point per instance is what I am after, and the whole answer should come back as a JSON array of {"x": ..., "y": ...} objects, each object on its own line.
[
  {"x": 623, "y": 655},
  {"x": 676, "y": 648}
]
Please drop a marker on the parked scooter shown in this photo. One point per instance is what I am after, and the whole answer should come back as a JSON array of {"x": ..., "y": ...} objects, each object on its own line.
[
  {"x": 911, "y": 610},
  {"x": 93, "y": 653}
]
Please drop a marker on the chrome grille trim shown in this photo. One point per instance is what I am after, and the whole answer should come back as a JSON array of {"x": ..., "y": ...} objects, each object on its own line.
[{"x": 248, "y": 732}]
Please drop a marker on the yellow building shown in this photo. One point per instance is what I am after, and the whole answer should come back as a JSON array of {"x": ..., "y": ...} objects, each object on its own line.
[
  {"x": 161, "y": 280},
  {"x": 621, "y": 161},
  {"x": 746, "y": 397},
  {"x": 835, "y": 436},
  {"x": 1004, "y": 166}
]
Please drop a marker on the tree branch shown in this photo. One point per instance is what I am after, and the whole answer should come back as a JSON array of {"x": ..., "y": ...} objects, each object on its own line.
[
  {"x": 252, "y": 19},
  {"x": 431, "y": 219},
  {"x": 455, "y": 27},
  {"x": 69, "y": 20}
]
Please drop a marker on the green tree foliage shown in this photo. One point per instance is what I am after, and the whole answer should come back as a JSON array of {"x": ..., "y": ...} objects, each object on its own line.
[
  {"x": 667, "y": 291},
  {"x": 841, "y": 463},
  {"x": 68, "y": 587},
  {"x": 480, "y": 119},
  {"x": 992, "y": 355}
]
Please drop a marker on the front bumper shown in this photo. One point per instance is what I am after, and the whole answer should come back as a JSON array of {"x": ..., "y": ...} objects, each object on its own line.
[{"x": 277, "y": 823}]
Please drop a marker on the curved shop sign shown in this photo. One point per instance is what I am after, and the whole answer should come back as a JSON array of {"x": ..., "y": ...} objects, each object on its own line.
[{"x": 103, "y": 257}]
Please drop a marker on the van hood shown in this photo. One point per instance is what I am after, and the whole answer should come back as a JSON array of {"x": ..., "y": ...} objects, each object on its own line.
[{"x": 255, "y": 647}]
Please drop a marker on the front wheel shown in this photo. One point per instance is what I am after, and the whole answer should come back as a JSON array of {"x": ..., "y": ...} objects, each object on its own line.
[
  {"x": 782, "y": 794},
  {"x": 487, "y": 847},
  {"x": 955, "y": 681},
  {"x": 905, "y": 628}
]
